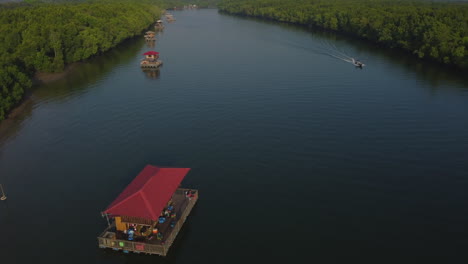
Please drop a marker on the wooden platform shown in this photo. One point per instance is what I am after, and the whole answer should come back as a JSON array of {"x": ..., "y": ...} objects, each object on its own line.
[
  {"x": 150, "y": 64},
  {"x": 118, "y": 240}
]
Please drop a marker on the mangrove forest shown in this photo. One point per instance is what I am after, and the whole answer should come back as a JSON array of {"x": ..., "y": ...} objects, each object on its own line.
[
  {"x": 430, "y": 30},
  {"x": 44, "y": 37}
]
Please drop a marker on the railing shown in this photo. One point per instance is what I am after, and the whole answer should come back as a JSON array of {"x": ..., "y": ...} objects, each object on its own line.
[
  {"x": 168, "y": 242},
  {"x": 127, "y": 246}
]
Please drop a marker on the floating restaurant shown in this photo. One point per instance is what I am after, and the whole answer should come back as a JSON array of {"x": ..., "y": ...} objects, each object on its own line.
[
  {"x": 149, "y": 213},
  {"x": 151, "y": 60}
]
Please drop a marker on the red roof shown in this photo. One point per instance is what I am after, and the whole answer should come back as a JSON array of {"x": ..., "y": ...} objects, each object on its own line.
[
  {"x": 148, "y": 194},
  {"x": 151, "y": 53}
]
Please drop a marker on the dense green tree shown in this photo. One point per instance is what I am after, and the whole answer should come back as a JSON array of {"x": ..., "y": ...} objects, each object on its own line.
[
  {"x": 433, "y": 30},
  {"x": 46, "y": 36}
]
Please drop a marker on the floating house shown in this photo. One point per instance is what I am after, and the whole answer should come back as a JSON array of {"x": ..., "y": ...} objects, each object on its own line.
[
  {"x": 159, "y": 25},
  {"x": 190, "y": 6},
  {"x": 149, "y": 213},
  {"x": 151, "y": 60},
  {"x": 150, "y": 36},
  {"x": 170, "y": 17}
]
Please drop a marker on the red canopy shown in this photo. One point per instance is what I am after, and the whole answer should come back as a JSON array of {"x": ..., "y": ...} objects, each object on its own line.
[
  {"x": 151, "y": 53},
  {"x": 148, "y": 194}
]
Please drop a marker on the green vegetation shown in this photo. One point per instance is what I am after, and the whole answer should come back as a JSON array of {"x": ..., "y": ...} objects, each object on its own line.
[
  {"x": 199, "y": 3},
  {"x": 47, "y": 36},
  {"x": 438, "y": 31}
]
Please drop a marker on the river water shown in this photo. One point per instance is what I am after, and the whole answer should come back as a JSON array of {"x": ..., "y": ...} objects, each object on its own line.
[{"x": 298, "y": 156}]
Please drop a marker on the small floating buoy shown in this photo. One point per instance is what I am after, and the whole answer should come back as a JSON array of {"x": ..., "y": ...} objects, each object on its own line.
[{"x": 3, "y": 198}]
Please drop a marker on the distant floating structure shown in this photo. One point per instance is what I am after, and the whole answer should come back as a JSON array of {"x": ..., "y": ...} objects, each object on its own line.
[
  {"x": 159, "y": 25},
  {"x": 151, "y": 60},
  {"x": 150, "y": 36},
  {"x": 190, "y": 6},
  {"x": 170, "y": 17}
]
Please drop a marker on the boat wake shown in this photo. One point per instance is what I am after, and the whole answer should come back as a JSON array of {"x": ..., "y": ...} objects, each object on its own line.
[{"x": 331, "y": 50}]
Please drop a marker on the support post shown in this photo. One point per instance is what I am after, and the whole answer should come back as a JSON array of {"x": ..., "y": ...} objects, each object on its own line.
[
  {"x": 107, "y": 218},
  {"x": 3, "y": 198}
]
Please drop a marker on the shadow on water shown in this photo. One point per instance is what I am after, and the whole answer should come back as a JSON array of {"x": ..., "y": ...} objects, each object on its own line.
[
  {"x": 81, "y": 78},
  {"x": 152, "y": 73},
  {"x": 10, "y": 127},
  {"x": 433, "y": 73},
  {"x": 151, "y": 44},
  {"x": 91, "y": 71}
]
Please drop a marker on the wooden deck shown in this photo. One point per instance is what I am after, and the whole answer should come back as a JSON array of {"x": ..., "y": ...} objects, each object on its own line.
[
  {"x": 151, "y": 64},
  {"x": 118, "y": 240}
]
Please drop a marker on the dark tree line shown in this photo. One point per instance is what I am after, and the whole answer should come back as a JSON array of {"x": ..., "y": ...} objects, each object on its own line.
[
  {"x": 438, "y": 31},
  {"x": 47, "y": 36}
]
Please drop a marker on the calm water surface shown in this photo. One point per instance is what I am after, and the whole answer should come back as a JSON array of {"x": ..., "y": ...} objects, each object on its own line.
[{"x": 299, "y": 156}]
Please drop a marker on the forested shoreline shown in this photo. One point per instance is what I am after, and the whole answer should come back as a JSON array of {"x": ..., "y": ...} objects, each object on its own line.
[
  {"x": 436, "y": 31},
  {"x": 44, "y": 37}
]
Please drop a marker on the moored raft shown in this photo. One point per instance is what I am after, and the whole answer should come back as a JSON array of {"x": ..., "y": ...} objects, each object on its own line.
[
  {"x": 148, "y": 64},
  {"x": 170, "y": 17},
  {"x": 159, "y": 25},
  {"x": 151, "y": 60},
  {"x": 149, "y": 213},
  {"x": 150, "y": 36}
]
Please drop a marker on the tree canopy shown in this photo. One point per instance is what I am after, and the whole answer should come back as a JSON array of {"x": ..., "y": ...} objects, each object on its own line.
[
  {"x": 47, "y": 36},
  {"x": 434, "y": 30}
]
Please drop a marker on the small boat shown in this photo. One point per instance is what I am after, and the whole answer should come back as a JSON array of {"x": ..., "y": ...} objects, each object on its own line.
[{"x": 358, "y": 63}]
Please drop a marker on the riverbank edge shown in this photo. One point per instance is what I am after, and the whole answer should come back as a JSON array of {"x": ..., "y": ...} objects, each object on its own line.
[
  {"x": 40, "y": 78},
  {"x": 452, "y": 66},
  {"x": 47, "y": 77}
]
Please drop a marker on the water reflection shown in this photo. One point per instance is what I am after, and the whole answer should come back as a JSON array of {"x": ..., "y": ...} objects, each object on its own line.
[
  {"x": 89, "y": 72},
  {"x": 80, "y": 79},
  {"x": 436, "y": 75},
  {"x": 10, "y": 127},
  {"x": 151, "y": 44},
  {"x": 152, "y": 73}
]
